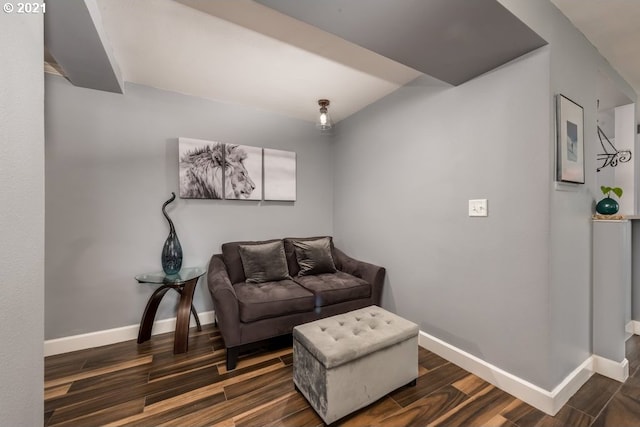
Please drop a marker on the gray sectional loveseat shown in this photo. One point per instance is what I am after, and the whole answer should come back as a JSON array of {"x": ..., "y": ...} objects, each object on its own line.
[{"x": 261, "y": 290}]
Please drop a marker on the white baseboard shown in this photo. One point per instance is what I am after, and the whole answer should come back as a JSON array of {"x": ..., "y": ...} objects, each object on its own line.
[
  {"x": 561, "y": 394},
  {"x": 111, "y": 336},
  {"x": 548, "y": 402},
  {"x": 628, "y": 329},
  {"x": 633, "y": 327},
  {"x": 618, "y": 371}
]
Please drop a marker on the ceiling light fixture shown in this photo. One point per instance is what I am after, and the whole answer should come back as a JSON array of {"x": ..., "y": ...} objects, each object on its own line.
[{"x": 324, "y": 120}]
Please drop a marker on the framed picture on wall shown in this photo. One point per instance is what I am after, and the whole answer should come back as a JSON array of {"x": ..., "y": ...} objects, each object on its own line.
[{"x": 570, "y": 141}]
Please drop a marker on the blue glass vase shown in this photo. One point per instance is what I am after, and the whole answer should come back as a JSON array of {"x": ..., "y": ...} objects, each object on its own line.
[{"x": 172, "y": 250}]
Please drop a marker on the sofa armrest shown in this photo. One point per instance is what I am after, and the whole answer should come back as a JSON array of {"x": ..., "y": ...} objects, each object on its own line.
[
  {"x": 225, "y": 301},
  {"x": 372, "y": 274}
]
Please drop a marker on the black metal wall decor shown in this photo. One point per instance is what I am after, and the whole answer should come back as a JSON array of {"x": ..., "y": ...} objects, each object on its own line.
[{"x": 611, "y": 156}]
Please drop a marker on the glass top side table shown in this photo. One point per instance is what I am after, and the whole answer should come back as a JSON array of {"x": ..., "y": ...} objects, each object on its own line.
[{"x": 184, "y": 282}]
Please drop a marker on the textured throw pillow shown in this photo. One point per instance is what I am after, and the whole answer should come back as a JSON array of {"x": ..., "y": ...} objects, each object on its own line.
[
  {"x": 264, "y": 263},
  {"x": 314, "y": 256}
]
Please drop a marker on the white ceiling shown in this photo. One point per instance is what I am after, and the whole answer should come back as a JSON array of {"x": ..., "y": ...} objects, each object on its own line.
[
  {"x": 613, "y": 27},
  {"x": 241, "y": 51},
  {"x": 168, "y": 45}
]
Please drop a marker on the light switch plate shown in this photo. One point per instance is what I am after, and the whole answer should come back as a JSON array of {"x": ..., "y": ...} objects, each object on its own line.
[{"x": 478, "y": 207}]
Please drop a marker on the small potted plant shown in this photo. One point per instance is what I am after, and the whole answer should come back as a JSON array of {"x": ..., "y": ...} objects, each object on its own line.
[{"x": 609, "y": 206}]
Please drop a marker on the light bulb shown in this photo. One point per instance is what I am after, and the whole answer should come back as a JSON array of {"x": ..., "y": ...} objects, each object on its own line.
[{"x": 324, "y": 120}]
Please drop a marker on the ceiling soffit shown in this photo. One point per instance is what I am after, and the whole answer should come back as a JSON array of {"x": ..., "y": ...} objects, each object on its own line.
[
  {"x": 451, "y": 40},
  {"x": 75, "y": 39}
]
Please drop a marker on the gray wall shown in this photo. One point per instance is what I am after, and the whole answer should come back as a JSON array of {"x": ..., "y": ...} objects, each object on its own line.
[
  {"x": 611, "y": 287},
  {"x": 112, "y": 160},
  {"x": 408, "y": 165},
  {"x": 575, "y": 68},
  {"x": 21, "y": 219},
  {"x": 515, "y": 288}
]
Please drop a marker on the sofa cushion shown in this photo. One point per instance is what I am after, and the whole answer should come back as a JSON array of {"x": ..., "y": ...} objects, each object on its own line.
[
  {"x": 271, "y": 299},
  {"x": 264, "y": 263},
  {"x": 333, "y": 288},
  {"x": 290, "y": 252},
  {"x": 314, "y": 256},
  {"x": 233, "y": 262}
]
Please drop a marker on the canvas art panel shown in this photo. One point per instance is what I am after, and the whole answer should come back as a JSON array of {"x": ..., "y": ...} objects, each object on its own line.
[
  {"x": 201, "y": 168},
  {"x": 242, "y": 172},
  {"x": 279, "y": 175},
  {"x": 214, "y": 170},
  {"x": 570, "y": 141}
]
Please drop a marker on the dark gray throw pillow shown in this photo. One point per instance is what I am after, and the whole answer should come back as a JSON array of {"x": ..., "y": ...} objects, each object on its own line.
[
  {"x": 314, "y": 256},
  {"x": 264, "y": 262}
]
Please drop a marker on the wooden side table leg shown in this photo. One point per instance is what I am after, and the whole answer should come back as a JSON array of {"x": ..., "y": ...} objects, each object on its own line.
[
  {"x": 195, "y": 316},
  {"x": 149, "y": 314},
  {"x": 181, "y": 339},
  {"x": 193, "y": 311}
]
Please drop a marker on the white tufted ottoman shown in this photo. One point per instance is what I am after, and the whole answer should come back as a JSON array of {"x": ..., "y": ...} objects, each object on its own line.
[{"x": 345, "y": 362}]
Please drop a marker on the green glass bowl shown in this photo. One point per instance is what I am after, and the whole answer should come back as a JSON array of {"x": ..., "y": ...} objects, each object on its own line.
[{"x": 607, "y": 206}]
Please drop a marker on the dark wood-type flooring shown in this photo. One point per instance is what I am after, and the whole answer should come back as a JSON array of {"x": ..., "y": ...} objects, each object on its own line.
[{"x": 147, "y": 385}]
